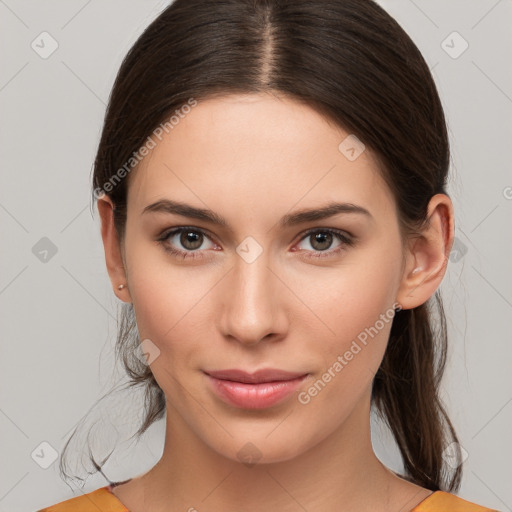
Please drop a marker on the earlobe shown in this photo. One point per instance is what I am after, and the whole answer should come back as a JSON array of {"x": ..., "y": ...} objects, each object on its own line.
[
  {"x": 427, "y": 256},
  {"x": 112, "y": 248}
]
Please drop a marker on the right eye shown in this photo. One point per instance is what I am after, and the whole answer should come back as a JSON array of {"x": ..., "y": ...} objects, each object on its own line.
[{"x": 189, "y": 238}]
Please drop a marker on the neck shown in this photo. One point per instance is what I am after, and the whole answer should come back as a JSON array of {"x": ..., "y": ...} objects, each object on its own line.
[{"x": 340, "y": 471}]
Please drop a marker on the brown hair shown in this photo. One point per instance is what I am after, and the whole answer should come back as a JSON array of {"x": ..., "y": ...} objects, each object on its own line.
[{"x": 354, "y": 64}]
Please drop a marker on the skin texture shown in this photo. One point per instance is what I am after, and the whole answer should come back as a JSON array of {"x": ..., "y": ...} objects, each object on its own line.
[{"x": 253, "y": 159}]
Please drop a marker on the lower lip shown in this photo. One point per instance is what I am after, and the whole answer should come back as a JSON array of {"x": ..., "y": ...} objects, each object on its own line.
[{"x": 254, "y": 396}]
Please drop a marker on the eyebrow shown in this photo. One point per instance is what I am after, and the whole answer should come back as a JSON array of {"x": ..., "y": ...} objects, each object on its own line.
[{"x": 292, "y": 219}]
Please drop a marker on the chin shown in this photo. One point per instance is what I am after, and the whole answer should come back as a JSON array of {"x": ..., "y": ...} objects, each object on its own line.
[{"x": 262, "y": 448}]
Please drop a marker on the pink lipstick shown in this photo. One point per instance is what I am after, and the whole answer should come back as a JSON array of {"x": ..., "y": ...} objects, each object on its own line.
[{"x": 257, "y": 390}]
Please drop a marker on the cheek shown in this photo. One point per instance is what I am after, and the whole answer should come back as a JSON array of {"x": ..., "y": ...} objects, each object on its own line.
[
  {"x": 354, "y": 302},
  {"x": 358, "y": 344},
  {"x": 168, "y": 311},
  {"x": 159, "y": 297},
  {"x": 344, "y": 378},
  {"x": 169, "y": 317},
  {"x": 164, "y": 294},
  {"x": 357, "y": 310}
]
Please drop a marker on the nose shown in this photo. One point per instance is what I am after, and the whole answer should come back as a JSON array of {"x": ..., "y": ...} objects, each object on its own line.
[{"x": 251, "y": 302}]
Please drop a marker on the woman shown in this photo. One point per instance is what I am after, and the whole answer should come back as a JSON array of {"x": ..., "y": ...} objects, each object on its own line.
[{"x": 271, "y": 181}]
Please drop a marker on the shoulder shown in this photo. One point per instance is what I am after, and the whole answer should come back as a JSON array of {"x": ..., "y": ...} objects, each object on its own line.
[
  {"x": 441, "y": 501},
  {"x": 100, "y": 499}
]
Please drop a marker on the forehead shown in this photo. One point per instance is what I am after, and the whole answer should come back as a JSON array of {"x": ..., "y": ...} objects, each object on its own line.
[{"x": 257, "y": 151}]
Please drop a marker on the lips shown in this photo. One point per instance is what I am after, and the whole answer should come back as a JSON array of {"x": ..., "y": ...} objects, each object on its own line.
[
  {"x": 269, "y": 375},
  {"x": 257, "y": 390}
]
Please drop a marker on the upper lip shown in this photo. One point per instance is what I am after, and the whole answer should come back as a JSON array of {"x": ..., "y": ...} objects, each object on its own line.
[{"x": 265, "y": 375}]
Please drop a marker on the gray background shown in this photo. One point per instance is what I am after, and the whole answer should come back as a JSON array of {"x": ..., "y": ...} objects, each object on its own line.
[{"x": 58, "y": 310}]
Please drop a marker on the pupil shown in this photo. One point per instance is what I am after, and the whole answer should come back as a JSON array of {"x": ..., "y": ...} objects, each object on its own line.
[
  {"x": 191, "y": 238},
  {"x": 322, "y": 239}
]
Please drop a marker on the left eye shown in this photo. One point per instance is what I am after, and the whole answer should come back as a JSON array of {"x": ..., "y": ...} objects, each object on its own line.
[{"x": 321, "y": 240}]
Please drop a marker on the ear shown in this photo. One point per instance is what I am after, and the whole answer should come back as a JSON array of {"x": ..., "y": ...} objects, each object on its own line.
[
  {"x": 428, "y": 254},
  {"x": 113, "y": 254}
]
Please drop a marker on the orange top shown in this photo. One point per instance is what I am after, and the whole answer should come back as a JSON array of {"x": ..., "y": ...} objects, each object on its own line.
[{"x": 105, "y": 501}]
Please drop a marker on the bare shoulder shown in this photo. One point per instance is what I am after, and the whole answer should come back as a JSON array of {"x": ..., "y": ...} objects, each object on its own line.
[
  {"x": 130, "y": 492},
  {"x": 407, "y": 495}
]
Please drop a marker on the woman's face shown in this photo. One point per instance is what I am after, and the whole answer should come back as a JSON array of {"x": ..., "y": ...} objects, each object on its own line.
[{"x": 266, "y": 289}]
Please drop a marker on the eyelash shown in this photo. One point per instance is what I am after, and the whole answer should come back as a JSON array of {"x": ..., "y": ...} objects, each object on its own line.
[{"x": 347, "y": 241}]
